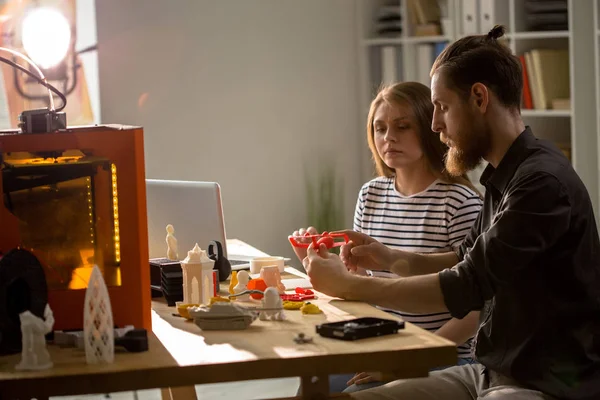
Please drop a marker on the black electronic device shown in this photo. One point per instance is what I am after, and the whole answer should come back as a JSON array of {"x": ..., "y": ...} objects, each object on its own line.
[
  {"x": 222, "y": 264},
  {"x": 359, "y": 328}
]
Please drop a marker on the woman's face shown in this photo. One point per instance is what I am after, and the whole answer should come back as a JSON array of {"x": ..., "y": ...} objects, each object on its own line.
[{"x": 396, "y": 136}]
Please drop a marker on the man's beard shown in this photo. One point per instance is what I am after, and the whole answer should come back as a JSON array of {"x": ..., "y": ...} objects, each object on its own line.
[{"x": 468, "y": 150}]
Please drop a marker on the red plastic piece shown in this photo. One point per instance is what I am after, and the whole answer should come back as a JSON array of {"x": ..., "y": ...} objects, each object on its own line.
[
  {"x": 296, "y": 297},
  {"x": 326, "y": 238},
  {"x": 300, "y": 290}
]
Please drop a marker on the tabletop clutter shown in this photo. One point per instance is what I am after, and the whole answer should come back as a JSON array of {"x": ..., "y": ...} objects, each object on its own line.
[
  {"x": 258, "y": 294},
  {"x": 192, "y": 285}
]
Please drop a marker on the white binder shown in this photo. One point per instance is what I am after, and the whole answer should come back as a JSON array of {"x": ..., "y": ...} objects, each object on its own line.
[
  {"x": 487, "y": 16},
  {"x": 470, "y": 17},
  {"x": 389, "y": 65}
]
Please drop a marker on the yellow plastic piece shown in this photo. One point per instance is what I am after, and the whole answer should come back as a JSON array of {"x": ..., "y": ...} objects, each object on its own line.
[
  {"x": 217, "y": 299},
  {"x": 292, "y": 305},
  {"x": 182, "y": 309},
  {"x": 310, "y": 308},
  {"x": 233, "y": 282}
]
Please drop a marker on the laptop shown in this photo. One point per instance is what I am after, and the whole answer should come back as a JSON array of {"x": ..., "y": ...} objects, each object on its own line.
[{"x": 196, "y": 213}]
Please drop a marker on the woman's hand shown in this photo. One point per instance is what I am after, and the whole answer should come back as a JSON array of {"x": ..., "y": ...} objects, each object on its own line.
[
  {"x": 366, "y": 377},
  {"x": 301, "y": 251}
]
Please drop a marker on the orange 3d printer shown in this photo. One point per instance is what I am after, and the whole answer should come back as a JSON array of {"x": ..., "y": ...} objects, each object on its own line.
[
  {"x": 73, "y": 198},
  {"x": 76, "y": 198}
]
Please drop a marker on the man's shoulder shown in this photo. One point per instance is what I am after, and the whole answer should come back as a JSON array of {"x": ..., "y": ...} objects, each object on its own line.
[{"x": 547, "y": 161}]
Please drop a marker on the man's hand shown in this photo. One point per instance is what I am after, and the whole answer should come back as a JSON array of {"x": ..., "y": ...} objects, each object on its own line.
[
  {"x": 326, "y": 271},
  {"x": 362, "y": 251}
]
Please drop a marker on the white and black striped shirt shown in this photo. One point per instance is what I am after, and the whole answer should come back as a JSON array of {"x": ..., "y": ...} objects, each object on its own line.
[{"x": 434, "y": 220}]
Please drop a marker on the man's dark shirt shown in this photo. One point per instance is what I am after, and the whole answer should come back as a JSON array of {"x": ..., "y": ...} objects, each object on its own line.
[{"x": 531, "y": 265}]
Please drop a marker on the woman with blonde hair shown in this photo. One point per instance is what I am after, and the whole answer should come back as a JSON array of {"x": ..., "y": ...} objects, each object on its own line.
[{"x": 414, "y": 205}]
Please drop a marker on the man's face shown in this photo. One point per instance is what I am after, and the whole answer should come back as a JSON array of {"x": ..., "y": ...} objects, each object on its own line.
[{"x": 460, "y": 126}]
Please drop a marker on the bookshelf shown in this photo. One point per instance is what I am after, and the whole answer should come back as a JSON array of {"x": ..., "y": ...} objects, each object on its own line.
[{"x": 568, "y": 115}]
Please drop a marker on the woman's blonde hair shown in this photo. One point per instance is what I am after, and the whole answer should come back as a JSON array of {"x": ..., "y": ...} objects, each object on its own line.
[{"x": 418, "y": 97}]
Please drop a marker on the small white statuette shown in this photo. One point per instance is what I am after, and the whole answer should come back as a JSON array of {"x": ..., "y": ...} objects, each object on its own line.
[
  {"x": 171, "y": 244},
  {"x": 273, "y": 306},
  {"x": 243, "y": 279},
  {"x": 98, "y": 327},
  {"x": 35, "y": 355}
]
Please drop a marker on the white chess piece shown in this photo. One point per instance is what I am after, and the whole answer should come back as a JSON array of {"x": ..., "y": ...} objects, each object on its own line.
[
  {"x": 273, "y": 306},
  {"x": 35, "y": 355},
  {"x": 171, "y": 244},
  {"x": 243, "y": 279}
]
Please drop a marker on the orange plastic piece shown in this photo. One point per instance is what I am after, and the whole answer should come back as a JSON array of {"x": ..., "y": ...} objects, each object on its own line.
[{"x": 257, "y": 284}]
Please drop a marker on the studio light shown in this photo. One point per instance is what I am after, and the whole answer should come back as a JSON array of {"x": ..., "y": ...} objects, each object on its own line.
[
  {"x": 47, "y": 39},
  {"x": 46, "y": 36}
]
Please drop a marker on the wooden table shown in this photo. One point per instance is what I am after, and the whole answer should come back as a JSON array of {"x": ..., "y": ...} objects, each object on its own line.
[{"x": 181, "y": 355}]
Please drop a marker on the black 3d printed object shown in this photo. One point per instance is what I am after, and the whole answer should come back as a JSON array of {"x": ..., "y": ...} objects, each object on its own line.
[{"x": 22, "y": 287}]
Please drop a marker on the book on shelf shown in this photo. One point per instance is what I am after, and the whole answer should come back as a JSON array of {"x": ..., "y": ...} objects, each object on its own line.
[
  {"x": 424, "y": 17},
  {"x": 546, "y": 83}
]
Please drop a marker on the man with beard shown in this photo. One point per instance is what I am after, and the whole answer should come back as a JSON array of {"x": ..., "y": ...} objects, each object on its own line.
[{"x": 530, "y": 262}]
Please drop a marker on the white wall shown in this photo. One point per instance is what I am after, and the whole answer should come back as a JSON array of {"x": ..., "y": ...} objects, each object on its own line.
[
  {"x": 86, "y": 37},
  {"x": 238, "y": 92}
]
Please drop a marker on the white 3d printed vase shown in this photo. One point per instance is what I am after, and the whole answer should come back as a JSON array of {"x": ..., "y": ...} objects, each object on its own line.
[{"x": 98, "y": 329}]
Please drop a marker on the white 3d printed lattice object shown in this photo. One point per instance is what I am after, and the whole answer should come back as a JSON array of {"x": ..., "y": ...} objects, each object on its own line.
[{"x": 98, "y": 328}]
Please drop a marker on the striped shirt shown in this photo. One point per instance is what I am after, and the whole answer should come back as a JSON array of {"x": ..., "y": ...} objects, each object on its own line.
[{"x": 434, "y": 220}]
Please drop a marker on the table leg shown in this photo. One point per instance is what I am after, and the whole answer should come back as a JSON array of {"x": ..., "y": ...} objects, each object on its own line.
[
  {"x": 314, "y": 387},
  {"x": 179, "y": 393}
]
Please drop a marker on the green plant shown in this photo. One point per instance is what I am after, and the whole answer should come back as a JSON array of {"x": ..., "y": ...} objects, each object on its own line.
[{"x": 324, "y": 200}]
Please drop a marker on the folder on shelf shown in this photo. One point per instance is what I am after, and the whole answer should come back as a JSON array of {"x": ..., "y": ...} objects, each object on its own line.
[
  {"x": 425, "y": 53},
  {"x": 487, "y": 15},
  {"x": 470, "y": 22},
  {"x": 389, "y": 65}
]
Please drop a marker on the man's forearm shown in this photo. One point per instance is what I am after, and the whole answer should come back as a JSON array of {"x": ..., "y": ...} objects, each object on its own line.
[
  {"x": 423, "y": 264},
  {"x": 419, "y": 294}
]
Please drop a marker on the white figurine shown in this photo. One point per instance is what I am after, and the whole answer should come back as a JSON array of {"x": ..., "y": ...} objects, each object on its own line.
[
  {"x": 171, "y": 244},
  {"x": 35, "y": 355},
  {"x": 243, "y": 279},
  {"x": 273, "y": 306},
  {"x": 197, "y": 277}
]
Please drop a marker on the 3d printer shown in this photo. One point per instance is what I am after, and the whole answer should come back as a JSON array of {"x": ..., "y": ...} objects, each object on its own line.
[
  {"x": 72, "y": 198},
  {"x": 76, "y": 198}
]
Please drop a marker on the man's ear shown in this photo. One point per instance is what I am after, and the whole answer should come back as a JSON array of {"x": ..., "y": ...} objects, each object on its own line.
[{"x": 480, "y": 96}]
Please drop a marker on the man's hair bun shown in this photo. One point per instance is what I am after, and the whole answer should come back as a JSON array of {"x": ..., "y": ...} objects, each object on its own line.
[{"x": 496, "y": 32}]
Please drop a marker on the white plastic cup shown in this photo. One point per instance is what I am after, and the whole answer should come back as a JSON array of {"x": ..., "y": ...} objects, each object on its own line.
[{"x": 256, "y": 264}]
